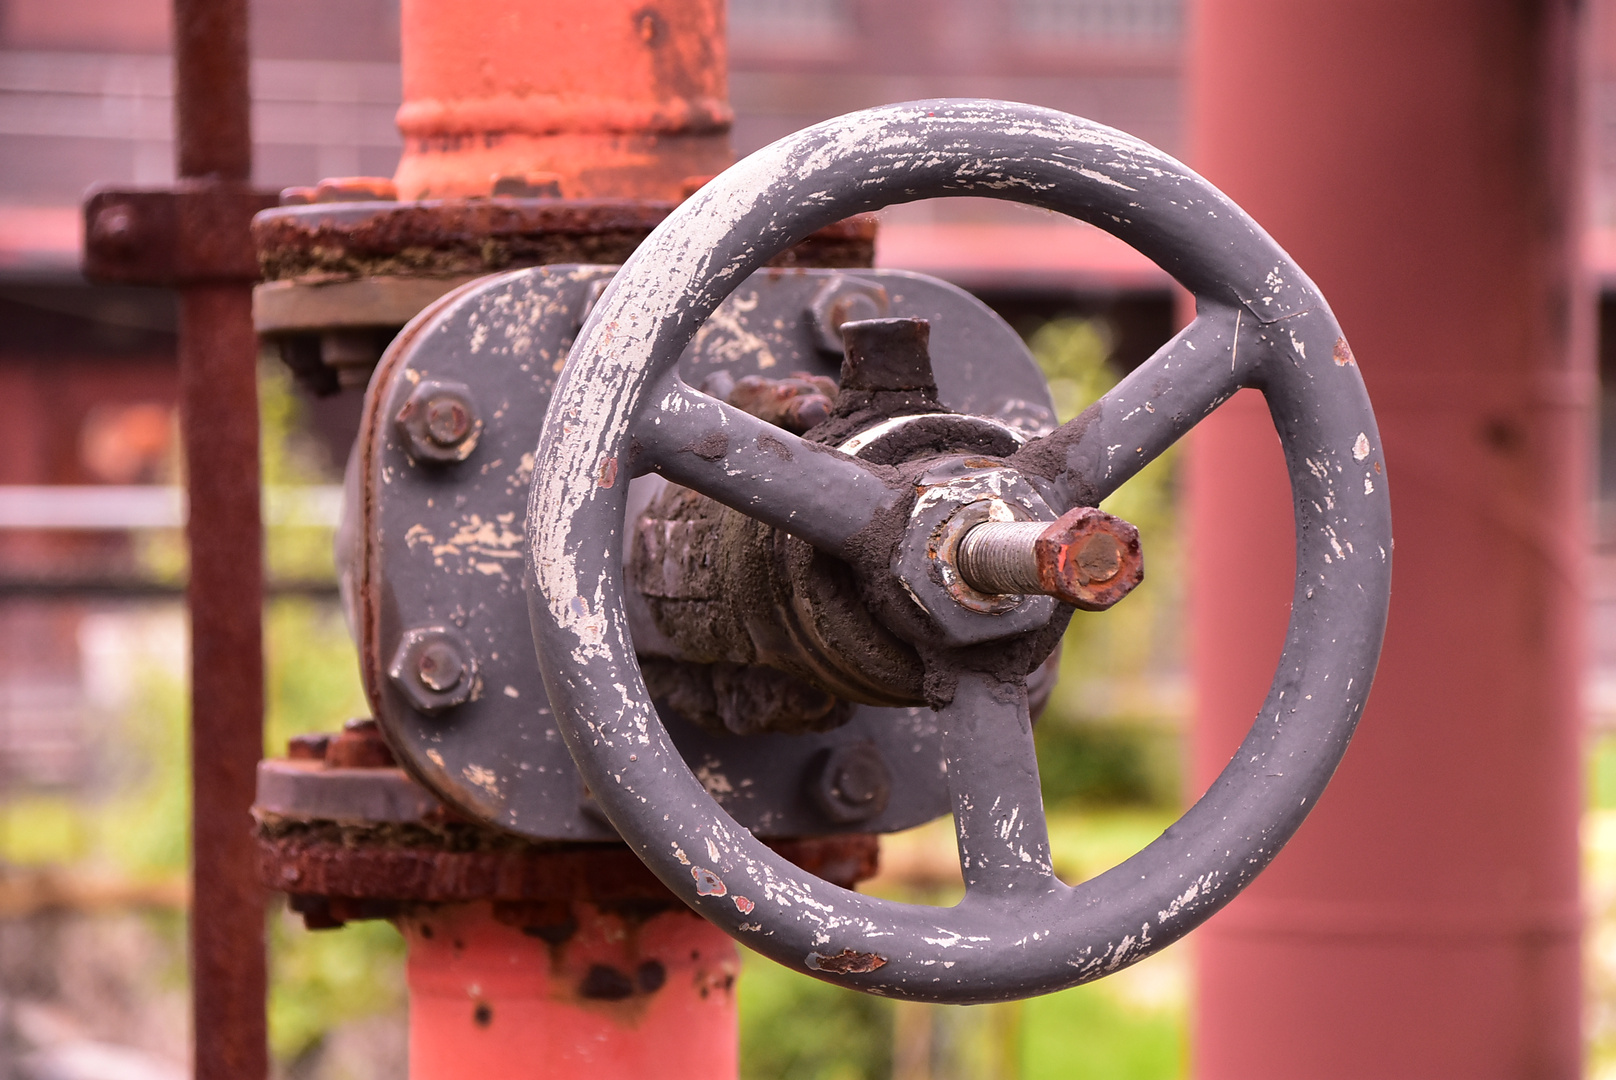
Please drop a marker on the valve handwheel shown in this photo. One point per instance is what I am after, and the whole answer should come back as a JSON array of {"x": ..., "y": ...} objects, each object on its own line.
[{"x": 619, "y": 409}]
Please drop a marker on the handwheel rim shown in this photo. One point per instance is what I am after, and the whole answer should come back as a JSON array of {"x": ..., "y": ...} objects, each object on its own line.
[{"x": 1251, "y": 297}]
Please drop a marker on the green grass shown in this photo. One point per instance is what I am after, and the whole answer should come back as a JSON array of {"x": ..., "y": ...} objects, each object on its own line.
[
  {"x": 797, "y": 1028},
  {"x": 1092, "y": 1033},
  {"x": 1601, "y": 765},
  {"x": 1131, "y": 1026}
]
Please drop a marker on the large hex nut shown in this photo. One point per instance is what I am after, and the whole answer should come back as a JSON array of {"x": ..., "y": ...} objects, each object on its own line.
[
  {"x": 439, "y": 421},
  {"x": 434, "y": 668},
  {"x": 841, "y": 300},
  {"x": 952, "y": 499},
  {"x": 850, "y": 783}
]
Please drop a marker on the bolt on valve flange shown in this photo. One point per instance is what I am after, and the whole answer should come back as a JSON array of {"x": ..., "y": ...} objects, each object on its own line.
[
  {"x": 434, "y": 668},
  {"x": 439, "y": 422}
]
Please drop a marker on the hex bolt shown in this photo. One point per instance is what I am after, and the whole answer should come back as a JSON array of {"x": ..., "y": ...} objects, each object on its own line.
[
  {"x": 439, "y": 422},
  {"x": 434, "y": 668},
  {"x": 850, "y": 783},
  {"x": 1086, "y": 558},
  {"x": 361, "y": 745},
  {"x": 842, "y": 300},
  {"x": 440, "y": 666}
]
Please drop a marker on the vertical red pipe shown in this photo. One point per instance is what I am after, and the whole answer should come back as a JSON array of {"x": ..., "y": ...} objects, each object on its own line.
[
  {"x": 609, "y": 99},
  {"x": 219, "y": 420},
  {"x": 605, "y": 991},
  {"x": 1421, "y": 161}
]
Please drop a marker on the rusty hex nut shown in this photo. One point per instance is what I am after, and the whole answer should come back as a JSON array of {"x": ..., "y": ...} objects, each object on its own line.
[
  {"x": 841, "y": 300},
  {"x": 434, "y": 668},
  {"x": 360, "y": 745},
  {"x": 343, "y": 189},
  {"x": 850, "y": 783},
  {"x": 1088, "y": 558},
  {"x": 439, "y": 422}
]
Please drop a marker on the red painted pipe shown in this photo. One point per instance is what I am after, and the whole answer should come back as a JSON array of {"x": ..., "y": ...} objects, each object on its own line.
[
  {"x": 606, "y": 99},
  {"x": 519, "y": 992},
  {"x": 1421, "y": 161},
  {"x": 611, "y": 99}
]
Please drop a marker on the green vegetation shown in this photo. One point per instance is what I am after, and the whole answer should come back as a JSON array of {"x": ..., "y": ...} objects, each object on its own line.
[
  {"x": 1601, "y": 765},
  {"x": 1110, "y": 735},
  {"x": 797, "y": 1028},
  {"x": 1095, "y": 1033},
  {"x": 138, "y": 827}
]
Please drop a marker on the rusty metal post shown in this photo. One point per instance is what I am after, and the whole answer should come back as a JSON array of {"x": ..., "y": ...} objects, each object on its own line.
[
  {"x": 219, "y": 420},
  {"x": 1422, "y": 161}
]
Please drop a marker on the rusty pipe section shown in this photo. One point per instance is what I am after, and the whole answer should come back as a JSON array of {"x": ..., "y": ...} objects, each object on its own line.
[
  {"x": 616, "y": 99},
  {"x": 1086, "y": 558}
]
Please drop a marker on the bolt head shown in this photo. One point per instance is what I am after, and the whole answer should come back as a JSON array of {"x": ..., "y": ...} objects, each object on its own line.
[
  {"x": 440, "y": 666},
  {"x": 448, "y": 421},
  {"x": 850, "y": 783},
  {"x": 840, "y": 300},
  {"x": 438, "y": 422},
  {"x": 1089, "y": 558},
  {"x": 434, "y": 669}
]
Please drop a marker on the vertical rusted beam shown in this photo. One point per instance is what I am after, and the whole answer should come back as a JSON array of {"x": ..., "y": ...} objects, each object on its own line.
[
  {"x": 212, "y": 133},
  {"x": 1422, "y": 162},
  {"x": 219, "y": 418}
]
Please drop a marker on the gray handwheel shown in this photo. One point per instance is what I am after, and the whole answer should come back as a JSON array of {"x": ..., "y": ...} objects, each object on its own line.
[{"x": 619, "y": 409}]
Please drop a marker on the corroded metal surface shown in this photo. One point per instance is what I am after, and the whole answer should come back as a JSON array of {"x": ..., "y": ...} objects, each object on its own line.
[
  {"x": 194, "y": 232},
  {"x": 445, "y": 860},
  {"x": 346, "y": 241},
  {"x": 327, "y": 242},
  {"x": 219, "y": 429},
  {"x": 1261, "y": 323}
]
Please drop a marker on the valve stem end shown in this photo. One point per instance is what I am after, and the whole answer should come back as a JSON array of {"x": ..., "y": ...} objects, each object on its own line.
[{"x": 1086, "y": 558}]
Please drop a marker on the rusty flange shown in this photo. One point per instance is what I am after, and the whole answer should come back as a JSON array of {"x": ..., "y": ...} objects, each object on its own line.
[
  {"x": 340, "y": 278},
  {"x": 349, "y": 836}
]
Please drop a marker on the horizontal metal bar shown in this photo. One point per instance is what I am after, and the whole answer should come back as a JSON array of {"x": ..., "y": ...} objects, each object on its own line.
[
  {"x": 87, "y": 587},
  {"x": 132, "y": 507}
]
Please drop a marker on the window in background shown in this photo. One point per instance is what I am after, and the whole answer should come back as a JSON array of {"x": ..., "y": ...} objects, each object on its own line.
[
  {"x": 1130, "y": 22},
  {"x": 789, "y": 22}
]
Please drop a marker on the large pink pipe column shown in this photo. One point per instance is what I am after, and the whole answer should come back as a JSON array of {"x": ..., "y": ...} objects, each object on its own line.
[{"x": 1420, "y": 161}]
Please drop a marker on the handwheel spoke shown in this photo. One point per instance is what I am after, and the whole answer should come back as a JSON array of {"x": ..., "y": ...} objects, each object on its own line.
[
  {"x": 811, "y": 491},
  {"x": 1089, "y": 457},
  {"x": 993, "y": 780}
]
